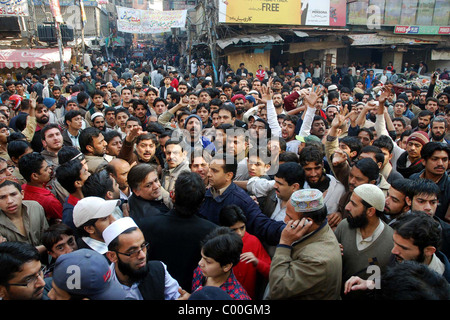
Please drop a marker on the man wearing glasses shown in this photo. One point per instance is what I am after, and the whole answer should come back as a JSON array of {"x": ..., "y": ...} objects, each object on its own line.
[
  {"x": 21, "y": 272},
  {"x": 140, "y": 279}
]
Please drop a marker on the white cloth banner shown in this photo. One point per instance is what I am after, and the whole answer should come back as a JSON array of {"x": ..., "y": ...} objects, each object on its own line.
[
  {"x": 145, "y": 21},
  {"x": 14, "y": 8}
]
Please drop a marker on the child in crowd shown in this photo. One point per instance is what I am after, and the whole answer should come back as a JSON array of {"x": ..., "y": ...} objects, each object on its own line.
[
  {"x": 253, "y": 269},
  {"x": 220, "y": 252}
]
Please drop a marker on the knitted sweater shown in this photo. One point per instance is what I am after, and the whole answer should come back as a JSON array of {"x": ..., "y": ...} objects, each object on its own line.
[{"x": 355, "y": 262}]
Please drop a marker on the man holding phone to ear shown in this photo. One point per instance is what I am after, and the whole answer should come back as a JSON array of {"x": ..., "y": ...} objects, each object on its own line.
[{"x": 307, "y": 263}]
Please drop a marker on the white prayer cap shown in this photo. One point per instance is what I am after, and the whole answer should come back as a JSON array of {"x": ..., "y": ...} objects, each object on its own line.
[{"x": 117, "y": 228}]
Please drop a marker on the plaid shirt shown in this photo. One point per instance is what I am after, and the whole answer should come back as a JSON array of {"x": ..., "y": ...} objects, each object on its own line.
[{"x": 231, "y": 286}]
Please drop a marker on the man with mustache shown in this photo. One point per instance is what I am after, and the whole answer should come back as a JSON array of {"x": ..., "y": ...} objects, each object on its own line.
[
  {"x": 438, "y": 130},
  {"x": 21, "y": 272},
  {"x": 312, "y": 160},
  {"x": 435, "y": 156},
  {"x": 139, "y": 278},
  {"x": 416, "y": 237},
  {"x": 366, "y": 239},
  {"x": 42, "y": 119}
]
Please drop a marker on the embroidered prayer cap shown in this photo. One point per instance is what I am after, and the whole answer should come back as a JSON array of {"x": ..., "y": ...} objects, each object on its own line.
[{"x": 307, "y": 200}]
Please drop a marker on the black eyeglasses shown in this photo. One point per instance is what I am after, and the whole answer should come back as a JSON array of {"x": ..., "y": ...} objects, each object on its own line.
[
  {"x": 135, "y": 253},
  {"x": 30, "y": 281}
]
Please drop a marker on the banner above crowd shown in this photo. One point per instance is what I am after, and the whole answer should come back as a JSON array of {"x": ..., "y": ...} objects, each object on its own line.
[
  {"x": 284, "y": 12},
  {"x": 14, "y": 8},
  {"x": 131, "y": 20}
]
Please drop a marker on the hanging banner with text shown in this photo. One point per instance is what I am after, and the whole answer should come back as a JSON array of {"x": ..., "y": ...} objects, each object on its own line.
[
  {"x": 284, "y": 12},
  {"x": 131, "y": 20},
  {"x": 14, "y": 8}
]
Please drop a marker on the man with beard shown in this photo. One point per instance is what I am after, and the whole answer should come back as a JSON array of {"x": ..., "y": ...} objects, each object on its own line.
[
  {"x": 21, "y": 272},
  {"x": 42, "y": 119},
  {"x": 422, "y": 122},
  {"x": 364, "y": 171},
  {"x": 98, "y": 121},
  {"x": 278, "y": 102},
  {"x": 331, "y": 112},
  {"x": 365, "y": 238},
  {"x": 438, "y": 130},
  {"x": 192, "y": 135},
  {"x": 396, "y": 203},
  {"x": 139, "y": 278},
  {"x": 410, "y": 161},
  {"x": 38, "y": 173},
  {"x": 435, "y": 157},
  {"x": 311, "y": 158},
  {"x": 443, "y": 100},
  {"x": 239, "y": 102},
  {"x": 93, "y": 146},
  {"x": 417, "y": 237}
]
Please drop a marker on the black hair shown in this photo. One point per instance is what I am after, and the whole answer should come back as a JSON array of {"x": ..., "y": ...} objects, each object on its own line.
[
  {"x": 231, "y": 214},
  {"x": 54, "y": 234},
  {"x": 384, "y": 142},
  {"x": 86, "y": 137},
  {"x": 67, "y": 153},
  {"x": 155, "y": 127},
  {"x": 147, "y": 136},
  {"x": 419, "y": 227},
  {"x": 122, "y": 109},
  {"x": 16, "y": 148},
  {"x": 138, "y": 173},
  {"x": 223, "y": 245},
  {"x": 429, "y": 148},
  {"x": 68, "y": 173},
  {"x": 292, "y": 173},
  {"x": 98, "y": 184},
  {"x": 402, "y": 185},
  {"x": 228, "y": 166},
  {"x": 411, "y": 280},
  {"x": 369, "y": 132},
  {"x": 139, "y": 102},
  {"x": 288, "y": 157},
  {"x": 70, "y": 115},
  {"x": 109, "y": 135},
  {"x": 13, "y": 255},
  {"x": 98, "y": 93},
  {"x": 368, "y": 168},
  {"x": 229, "y": 107},
  {"x": 311, "y": 154},
  {"x": 423, "y": 186},
  {"x": 47, "y": 128},
  {"x": 353, "y": 143},
  {"x": 30, "y": 163},
  {"x": 189, "y": 193},
  {"x": 82, "y": 96},
  {"x": 379, "y": 155}
]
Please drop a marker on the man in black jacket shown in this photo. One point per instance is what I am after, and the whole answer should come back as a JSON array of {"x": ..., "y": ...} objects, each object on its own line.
[
  {"x": 148, "y": 197},
  {"x": 166, "y": 231}
]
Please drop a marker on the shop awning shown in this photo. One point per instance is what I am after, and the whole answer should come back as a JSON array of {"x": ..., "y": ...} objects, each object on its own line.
[
  {"x": 32, "y": 58},
  {"x": 252, "y": 38},
  {"x": 374, "y": 39}
]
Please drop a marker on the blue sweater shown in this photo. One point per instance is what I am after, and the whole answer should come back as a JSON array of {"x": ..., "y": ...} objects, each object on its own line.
[{"x": 258, "y": 224}]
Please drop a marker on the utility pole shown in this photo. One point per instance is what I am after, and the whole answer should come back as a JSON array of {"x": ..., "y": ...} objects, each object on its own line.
[
  {"x": 211, "y": 40},
  {"x": 59, "y": 38},
  {"x": 82, "y": 16}
]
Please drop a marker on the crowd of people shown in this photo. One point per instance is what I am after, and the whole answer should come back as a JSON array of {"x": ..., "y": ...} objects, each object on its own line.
[{"x": 132, "y": 181}]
